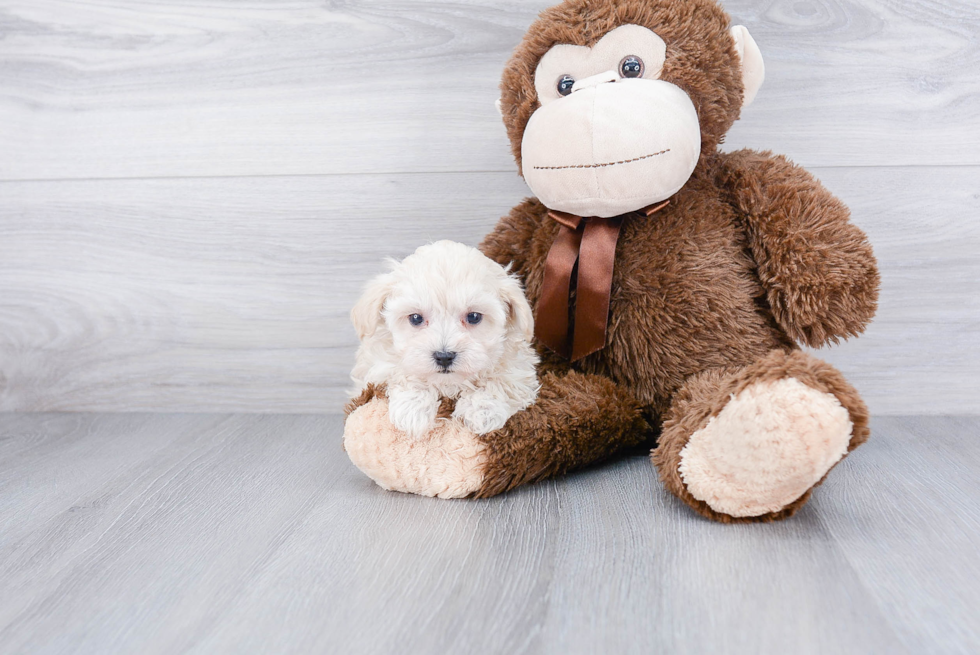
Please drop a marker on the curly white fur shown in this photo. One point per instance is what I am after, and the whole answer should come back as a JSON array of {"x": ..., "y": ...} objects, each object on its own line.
[{"x": 492, "y": 374}]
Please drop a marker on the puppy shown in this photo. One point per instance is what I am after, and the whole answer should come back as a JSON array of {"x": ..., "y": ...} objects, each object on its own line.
[{"x": 446, "y": 321}]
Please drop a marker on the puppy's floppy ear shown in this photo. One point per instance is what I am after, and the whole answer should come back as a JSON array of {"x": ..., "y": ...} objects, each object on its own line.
[
  {"x": 366, "y": 314},
  {"x": 520, "y": 319}
]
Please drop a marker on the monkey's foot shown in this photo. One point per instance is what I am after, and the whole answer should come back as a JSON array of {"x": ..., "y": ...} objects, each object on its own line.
[
  {"x": 448, "y": 462},
  {"x": 752, "y": 444},
  {"x": 766, "y": 448}
]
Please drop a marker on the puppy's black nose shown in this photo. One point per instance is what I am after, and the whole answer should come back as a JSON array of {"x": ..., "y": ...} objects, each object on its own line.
[{"x": 444, "y": 358}]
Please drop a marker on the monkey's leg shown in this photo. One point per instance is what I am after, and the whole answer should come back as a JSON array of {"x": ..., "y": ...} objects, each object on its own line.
[
  {"x": 577, "y": 420},
  {"x": 750, "y": 444}
]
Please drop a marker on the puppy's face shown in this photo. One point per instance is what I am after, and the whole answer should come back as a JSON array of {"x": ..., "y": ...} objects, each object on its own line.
[
  {"x": 445, "y": 327},
  {"x": 449, "y": 311}
]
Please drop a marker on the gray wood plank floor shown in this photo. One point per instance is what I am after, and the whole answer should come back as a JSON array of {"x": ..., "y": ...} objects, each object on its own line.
[{"x": 166, "y": 533}]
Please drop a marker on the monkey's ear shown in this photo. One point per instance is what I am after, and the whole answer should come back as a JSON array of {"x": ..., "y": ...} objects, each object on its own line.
[
  {"x": 753, "y": 69},
  {"x": 500, "y": 107},
  {"x": 366, "y": 314}
]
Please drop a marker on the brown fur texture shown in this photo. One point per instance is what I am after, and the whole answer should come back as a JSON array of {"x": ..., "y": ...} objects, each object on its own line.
[
  {"x": 577, "y": 420},
  {"x": 752, "y": 256},
  {"x": 368, "y": 393}
]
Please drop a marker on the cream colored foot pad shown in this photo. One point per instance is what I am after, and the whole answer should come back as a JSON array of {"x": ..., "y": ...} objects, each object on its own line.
[{"x": 766, "y": 448}]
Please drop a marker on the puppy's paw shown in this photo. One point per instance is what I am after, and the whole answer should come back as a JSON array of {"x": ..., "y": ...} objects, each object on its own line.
[
  {"x": 413, "y": 411},
  {"x": 481, "y": 412}
]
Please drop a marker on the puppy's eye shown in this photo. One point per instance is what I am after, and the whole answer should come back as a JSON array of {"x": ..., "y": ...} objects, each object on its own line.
[
  {"x": 416, "y": 319},
  {"x": 631, "y": 66},
  {"x": 565, "y": 84},
  {"x": 474, "y": 317}
]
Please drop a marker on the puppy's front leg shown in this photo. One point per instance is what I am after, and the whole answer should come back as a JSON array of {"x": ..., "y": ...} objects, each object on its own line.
[
  {"x": 412, "y": 408},
  {"x": 482, "y": 412}
]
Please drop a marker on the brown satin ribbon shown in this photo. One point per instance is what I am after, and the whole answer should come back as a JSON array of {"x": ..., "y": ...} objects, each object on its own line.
[{"x": 591, "y": 243}]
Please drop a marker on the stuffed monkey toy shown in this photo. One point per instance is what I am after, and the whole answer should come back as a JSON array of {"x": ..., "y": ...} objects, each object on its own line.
[{"x": 672, "y": 283}]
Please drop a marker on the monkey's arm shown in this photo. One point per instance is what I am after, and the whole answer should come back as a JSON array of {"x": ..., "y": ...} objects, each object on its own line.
[{"x": 818, "y": 270}]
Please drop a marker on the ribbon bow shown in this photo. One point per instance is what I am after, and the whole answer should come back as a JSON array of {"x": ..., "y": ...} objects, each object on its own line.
[{"x": 590, "y": 242}]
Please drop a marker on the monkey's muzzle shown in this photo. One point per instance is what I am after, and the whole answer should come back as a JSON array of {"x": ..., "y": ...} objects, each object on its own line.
[{"x": 611, "y": 147}]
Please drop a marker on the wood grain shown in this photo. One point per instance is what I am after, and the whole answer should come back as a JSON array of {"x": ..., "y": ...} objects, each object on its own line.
[
  {"x": 233, "y": 294},
  {"x": 191, "y": 195},
  {"x": 217, "y": 88},
  {"x": 916, "y": 494},
  {"x": 208, "y": 294},
  {"x": 242, "y": 533}
]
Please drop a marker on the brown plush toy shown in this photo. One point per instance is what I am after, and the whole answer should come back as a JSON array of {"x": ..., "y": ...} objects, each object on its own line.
[{"x": 672, "y": 283}]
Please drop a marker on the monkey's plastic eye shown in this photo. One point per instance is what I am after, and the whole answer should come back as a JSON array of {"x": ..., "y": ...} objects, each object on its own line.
[
  {"x": 474, "y": 317},
  {"x": 565, "y": 84},
  {"x": 416, "y": 319},
  {"x": 631, "y": 66}
]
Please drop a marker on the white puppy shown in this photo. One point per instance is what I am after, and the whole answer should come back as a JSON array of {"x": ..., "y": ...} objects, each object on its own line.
[{"x": 446, "y": 321}]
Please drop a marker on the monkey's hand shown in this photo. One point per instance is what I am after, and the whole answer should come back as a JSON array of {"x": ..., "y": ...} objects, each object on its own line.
[
  {"x": 818, "y": 270},
  {"x": 448, "y": 461}
]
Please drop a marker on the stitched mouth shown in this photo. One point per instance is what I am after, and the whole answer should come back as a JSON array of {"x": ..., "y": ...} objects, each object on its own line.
[{"x": 608, "y": 163}]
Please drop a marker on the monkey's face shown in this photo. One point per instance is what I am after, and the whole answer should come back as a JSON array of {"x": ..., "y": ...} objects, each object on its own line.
[
  {"x": 609, "y": 104},
  {"x": 610, "y": 136}
]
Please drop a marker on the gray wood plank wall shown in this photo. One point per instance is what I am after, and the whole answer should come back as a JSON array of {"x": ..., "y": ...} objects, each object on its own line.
[{"x": 191, "y": 196}]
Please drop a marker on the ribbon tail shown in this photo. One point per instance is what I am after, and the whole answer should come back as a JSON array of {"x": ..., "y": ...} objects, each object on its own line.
[
  {"x": 552, "y": 313},
  {"x": 597, "y": 256}
]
